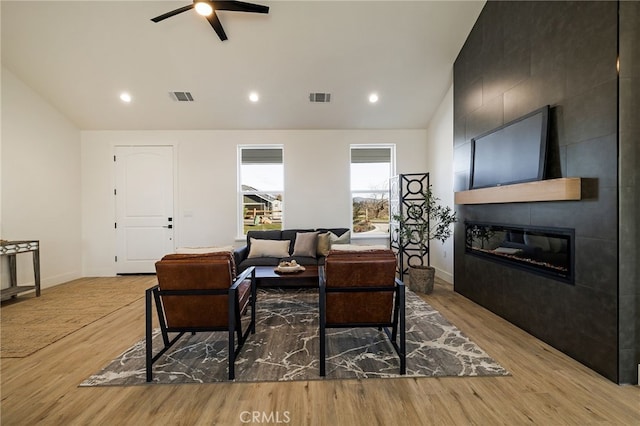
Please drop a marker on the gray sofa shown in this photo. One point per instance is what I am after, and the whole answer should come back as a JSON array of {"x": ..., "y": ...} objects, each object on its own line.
[{"x": 244, "y": 260}]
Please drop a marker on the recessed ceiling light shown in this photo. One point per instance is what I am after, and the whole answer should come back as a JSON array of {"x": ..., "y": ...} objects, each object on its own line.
[
  {"x": 254, "y": 97},
  {"x": 373, "y": 98},
  {"x": 204, "y": 8},
  {"x": 125, "y": 97}
]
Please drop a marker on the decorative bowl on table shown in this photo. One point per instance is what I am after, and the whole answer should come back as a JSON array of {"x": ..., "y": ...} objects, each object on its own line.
[{"x": 289, "y": 267}]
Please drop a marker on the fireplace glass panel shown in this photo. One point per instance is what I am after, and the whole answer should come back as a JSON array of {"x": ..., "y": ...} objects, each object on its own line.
[{"x": 547, "y": 251}]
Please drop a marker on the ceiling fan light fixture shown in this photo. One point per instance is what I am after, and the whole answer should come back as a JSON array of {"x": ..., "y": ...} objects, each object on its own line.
[
  {"x": 208, "y": 8},
  {"x": 204, "y": 8}
]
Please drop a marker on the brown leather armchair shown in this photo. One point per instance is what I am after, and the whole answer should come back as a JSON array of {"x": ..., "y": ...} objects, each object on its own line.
[
  {"x": 200, "y": 293},
  {"x": 360, "y": 289}
]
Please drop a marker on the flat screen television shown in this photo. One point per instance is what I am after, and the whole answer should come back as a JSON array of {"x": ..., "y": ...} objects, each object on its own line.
[{"x": 513, "y": 153}]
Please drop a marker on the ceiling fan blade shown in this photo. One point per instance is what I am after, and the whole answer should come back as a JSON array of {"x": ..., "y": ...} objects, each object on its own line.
[
  {"x": 217, "y": 26},
  {"x": 239, "y": 6},
  {"x": 172, "y": 13}
]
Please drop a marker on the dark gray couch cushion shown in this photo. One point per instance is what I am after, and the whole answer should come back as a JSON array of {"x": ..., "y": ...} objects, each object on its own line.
[
  {"x": 337, "y": 231},
  {"x": 258, "y": 261}
]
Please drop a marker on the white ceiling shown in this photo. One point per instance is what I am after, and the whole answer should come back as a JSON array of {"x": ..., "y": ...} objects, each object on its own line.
[{"x": 79, "y": 55}]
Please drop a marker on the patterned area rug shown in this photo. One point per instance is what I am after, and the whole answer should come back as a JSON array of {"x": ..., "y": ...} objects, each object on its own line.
[{"x": 285, "y": 347}]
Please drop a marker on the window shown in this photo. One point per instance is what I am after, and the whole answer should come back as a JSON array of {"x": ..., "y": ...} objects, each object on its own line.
[
  {"x": 260, "y": 187},
  {"x": 371, "y": 168}
]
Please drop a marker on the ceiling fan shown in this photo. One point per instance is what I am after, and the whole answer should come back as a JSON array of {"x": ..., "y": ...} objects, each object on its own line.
[{"x": 208, "y": 8}]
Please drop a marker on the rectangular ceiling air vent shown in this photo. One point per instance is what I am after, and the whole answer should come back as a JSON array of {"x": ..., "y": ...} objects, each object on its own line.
[
  {"x": 182, "y": 96},
  {"x": 320, "y": 97}
]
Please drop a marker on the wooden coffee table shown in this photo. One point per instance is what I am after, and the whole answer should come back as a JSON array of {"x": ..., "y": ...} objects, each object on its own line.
[{"x": 266, "y": 276}]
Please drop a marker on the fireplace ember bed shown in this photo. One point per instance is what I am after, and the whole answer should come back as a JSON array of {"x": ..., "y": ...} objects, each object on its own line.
[{"x": 544, "y": 251}]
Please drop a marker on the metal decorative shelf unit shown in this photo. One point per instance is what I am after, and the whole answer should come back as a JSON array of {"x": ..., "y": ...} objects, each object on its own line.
[
  {"x": 406, "y": 191},
  {"x": 11, "y": 249}
]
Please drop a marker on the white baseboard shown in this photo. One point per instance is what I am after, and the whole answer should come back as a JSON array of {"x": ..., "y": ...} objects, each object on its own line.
[
  {"x": 59, "y": 279},
  {"x": 444, "y": 275},
  {"x": 100, "y": 272},
  {"x": 49, "y": 281}
]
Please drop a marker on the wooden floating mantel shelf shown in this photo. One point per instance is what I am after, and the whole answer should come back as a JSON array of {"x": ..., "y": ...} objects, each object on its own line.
[{"x": 562, "y": 189}]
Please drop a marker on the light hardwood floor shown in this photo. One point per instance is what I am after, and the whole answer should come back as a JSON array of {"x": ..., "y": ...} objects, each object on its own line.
[{"x": 546, "y": 387}]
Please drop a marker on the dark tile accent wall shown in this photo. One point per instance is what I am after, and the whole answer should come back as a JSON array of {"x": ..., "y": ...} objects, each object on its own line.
[
  {"x": 629, "y": 200},
  {"x": 519, "y": 57}
]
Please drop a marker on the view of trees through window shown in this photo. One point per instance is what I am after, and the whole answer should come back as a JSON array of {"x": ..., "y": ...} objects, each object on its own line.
[
  {"x": 261, "y": 182},
  {"x": 261, "y": 188},
  {"x": 371, "y": 168}
]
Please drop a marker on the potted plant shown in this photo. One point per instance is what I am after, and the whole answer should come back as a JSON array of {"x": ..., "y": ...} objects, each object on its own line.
[{"x": 425, "y": 220}]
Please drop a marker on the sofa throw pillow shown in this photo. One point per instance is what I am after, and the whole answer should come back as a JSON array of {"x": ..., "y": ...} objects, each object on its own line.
[
  {"x": 324, "y": 244},
  {"x": 306, "y": 244},
  {"x": 342, "y": 239},
  {"x": 269, "y": 248}
]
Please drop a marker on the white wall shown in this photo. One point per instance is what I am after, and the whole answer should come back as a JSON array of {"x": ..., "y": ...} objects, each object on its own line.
[
  {"x": 40, "y": 184},
  {"x": 57, "y": 182},
  {"x": 440, "y": 167},
  {"x": 316, "y": 181}
]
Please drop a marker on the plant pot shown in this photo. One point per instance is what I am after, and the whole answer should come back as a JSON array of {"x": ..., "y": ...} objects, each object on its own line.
[{"x": 421, "y": 278}]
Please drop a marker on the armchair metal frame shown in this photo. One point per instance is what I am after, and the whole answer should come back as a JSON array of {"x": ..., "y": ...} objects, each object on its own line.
[
  {"x": 397, "y": 323},
  {"x": 234, "y": 320}
]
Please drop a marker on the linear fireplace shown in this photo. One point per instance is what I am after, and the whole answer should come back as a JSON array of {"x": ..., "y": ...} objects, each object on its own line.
[{"x": 545, "y": 251}]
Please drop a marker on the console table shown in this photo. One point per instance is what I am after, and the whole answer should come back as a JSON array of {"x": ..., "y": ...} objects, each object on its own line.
[{"x": 11, "y": 249}]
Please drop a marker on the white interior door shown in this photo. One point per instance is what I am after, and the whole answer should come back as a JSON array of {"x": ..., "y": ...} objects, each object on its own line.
[{"x": 144, "y": 207}]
